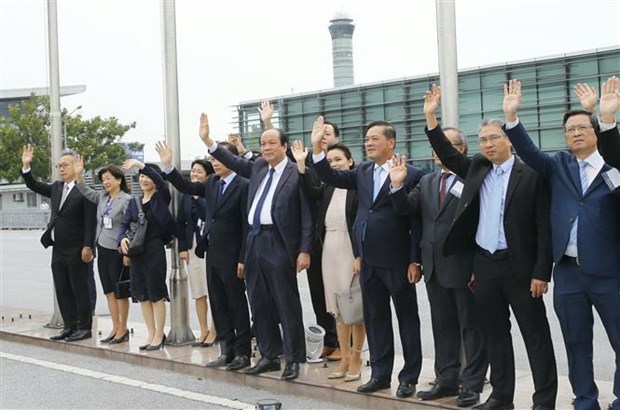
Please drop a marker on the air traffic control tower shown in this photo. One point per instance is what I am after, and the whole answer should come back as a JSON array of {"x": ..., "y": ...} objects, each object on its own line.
[{"x": 341, "y": 29}]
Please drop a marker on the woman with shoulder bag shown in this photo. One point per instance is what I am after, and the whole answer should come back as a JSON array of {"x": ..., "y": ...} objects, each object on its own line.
[
  {"x": 111, "y": 206},
  {"x": 341, "y": 269},
  {"x": 149, "y": 266}
]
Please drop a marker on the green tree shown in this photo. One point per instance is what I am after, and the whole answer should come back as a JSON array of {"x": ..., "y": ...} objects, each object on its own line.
[
  {"x": 27, "y": 123},
  {"x": 97, "y": 139}
]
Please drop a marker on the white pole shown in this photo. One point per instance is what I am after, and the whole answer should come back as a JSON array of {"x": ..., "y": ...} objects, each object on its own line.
[
  {"x": 448, "y": 69},
  {"x": 56, "y": 126},
  {"x": 180, "y": 332}
]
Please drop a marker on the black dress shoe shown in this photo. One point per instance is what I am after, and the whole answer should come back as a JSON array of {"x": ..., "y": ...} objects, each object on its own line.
[
  {"x": 291, "y": 371},
  {"x": 373, "y": 385},
  {"x": 238, "y": 363},
  {"x": 264, "y": 365},
  {"x": 62, "y": 335},
  {"x": 494, "y": 404},
  {"x": 79, "y": 335},
  {"x": 467, "y": 398},
  {"x": 107, "y": 339},
  {"x": 437, "y": 392},
  {"x": 150, "y": 348},
  {"x": 405, "y": 390},
  {"x": 124, "y": 338},
  {"x": 221, "y": 361}
]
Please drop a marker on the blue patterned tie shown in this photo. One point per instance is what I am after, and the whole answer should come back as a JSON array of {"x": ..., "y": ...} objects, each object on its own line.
[
  {"x": 583, "y": 177},
  {"x": 261, "y": 202},
  {"x": 377, "y": 183},
  {"x": 494, "y": 211},
  {"x": 220, "y": 190}
]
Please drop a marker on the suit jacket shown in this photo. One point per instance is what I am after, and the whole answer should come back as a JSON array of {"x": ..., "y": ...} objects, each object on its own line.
[
  {"x": 186, "y": 221},
  {"x": 225, "y": 221},
  {"x": 598, "y": 209},
  {"x": 609, "y": 146},
  {"x": 73, "y": 224},
  {"x": 317, "y": 191},
  {"x": 382, "y": 236},
  {"x": 526, "y": 210},
  {"x": 107, "y": 238},
  {"x": 159, "y": 203},
  {"x": 290, "y": 210},
  {"x": 452, "y": 271}
]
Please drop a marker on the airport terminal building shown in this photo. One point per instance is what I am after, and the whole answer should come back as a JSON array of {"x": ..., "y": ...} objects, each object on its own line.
[{"x": 547, "y": 87}]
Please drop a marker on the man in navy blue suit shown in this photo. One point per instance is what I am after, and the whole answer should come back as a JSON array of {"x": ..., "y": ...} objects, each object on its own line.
[
  {"x": 277, "y": 246},
  {"x": 222, "y": 238},
  {"x": 388, "y": 244},
  {"x": 585, "y": 225}
]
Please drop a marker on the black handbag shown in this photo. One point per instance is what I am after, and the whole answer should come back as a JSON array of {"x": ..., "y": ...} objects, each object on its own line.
[
  {"x": 137, "y": 232},
  {"x": 122, "y": 288}
]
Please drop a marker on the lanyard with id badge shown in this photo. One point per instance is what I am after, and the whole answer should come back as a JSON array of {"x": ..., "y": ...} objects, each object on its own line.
[{"x": 107, "y": 219}]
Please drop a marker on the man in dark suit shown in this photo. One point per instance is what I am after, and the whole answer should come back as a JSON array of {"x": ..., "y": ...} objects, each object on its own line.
[
  {"x": 503, "y": 214},
  {"x": 608, "y": 142},
  {"x": 585, "y": 227},
  {"x": 277, "y": 246},
  {"x": 453, "y": 309},
  {"x": 389, "y": 267},
  {"x": 315, "y": 270},
  {"x": 71, "y": 231},
  {"x": 222, "y": 237}
]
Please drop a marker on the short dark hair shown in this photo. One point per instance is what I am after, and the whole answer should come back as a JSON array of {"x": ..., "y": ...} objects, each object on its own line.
[
  {"x": 593, "y": 120},
  {"x": 461, "y": 135},
  {"x": 334, "y": 126},
  {"x": 116, "y": 172},
  {"x": 155, "y": 168},
  {"x": 282, "y": 134},
  {"x": 388, "y": 128},
  {"x": 347, "y": 152},
  {"x": 206, "y": 165},
  {"x": 230, "y": 147}
]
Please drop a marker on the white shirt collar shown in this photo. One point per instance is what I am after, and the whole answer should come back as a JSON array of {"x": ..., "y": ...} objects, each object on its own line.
[
  {"x": 279, "y": 169},
  {"x": 595, "y": 160}
]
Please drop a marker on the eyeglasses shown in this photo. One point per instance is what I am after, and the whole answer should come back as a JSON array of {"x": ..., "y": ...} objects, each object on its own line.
[
  {"x": 580, "y": 128},
  {"x": 490, "y": 138},
  {"x": 61, "y": 165}
]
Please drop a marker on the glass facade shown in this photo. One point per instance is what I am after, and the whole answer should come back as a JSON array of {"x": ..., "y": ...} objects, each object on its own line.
[{"x": 547, "y": 86}]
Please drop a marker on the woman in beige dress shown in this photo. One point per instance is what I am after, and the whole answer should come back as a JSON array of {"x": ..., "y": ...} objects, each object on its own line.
[{"x": 341, "y": 269}]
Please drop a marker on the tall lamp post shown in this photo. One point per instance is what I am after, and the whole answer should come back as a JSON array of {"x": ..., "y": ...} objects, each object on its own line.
[{"x": 64, "y": 126}]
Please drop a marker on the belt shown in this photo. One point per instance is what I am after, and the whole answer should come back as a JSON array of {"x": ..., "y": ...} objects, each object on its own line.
[
  {"x": 571, "y": 260},
  {"x": 498, "y": 254},
  {"x": 264, "y": 227}
]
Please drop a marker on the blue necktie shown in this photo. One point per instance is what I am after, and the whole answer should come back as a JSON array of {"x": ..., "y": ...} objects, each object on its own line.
[
  {"x": 583, "y": 177},
  {"x": 261, "y": 202},
  {"x": 377, "y": 183},
  {"x": 220, "y": 190},
  {"x": 494, "y": 211}
]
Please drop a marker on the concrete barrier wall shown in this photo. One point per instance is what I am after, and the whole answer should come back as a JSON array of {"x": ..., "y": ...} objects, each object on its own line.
[{"x": 34, "y": 219}]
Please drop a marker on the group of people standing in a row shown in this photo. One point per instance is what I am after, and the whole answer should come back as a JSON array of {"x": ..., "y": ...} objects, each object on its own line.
[{"x": 486, "y": 232}]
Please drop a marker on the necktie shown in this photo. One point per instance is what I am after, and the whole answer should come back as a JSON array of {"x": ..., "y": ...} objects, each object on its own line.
[
  {"x": 377, "y": 183},
  {"x": 494, "y": 211},
  {"x": 583, "y": 177},
  {"x": 442, "y": 189},
  {"x": 65, "y": 192},
  {"x": 261, "y": 202},
  {"x": 220, "y": 190}
]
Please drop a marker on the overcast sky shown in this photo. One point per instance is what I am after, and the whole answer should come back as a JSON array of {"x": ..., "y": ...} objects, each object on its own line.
[{"x": 240, "y": 50}]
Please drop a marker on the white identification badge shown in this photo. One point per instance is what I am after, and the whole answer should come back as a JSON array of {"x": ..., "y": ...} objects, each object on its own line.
[
  {"x": 457, "y": 189},
  {"x": 107, "y": 222},
  {"x": 612, "y": 178}
]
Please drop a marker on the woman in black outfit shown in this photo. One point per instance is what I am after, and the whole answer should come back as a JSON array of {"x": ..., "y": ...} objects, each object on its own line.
[{"x": 148, "y": 268}]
